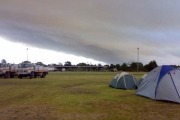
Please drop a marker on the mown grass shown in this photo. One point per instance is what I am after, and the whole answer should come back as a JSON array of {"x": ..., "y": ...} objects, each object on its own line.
[{"x": 80, "y": 96}]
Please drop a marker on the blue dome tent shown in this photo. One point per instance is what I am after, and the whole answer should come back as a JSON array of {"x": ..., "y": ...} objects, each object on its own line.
[{"x": 162, "y": 83}]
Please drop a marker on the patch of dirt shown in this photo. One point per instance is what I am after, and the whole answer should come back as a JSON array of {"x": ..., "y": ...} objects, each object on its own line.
[
  {"x": 23, "y": 82},
  {"x": 71, "y": 85},
  {"x": 8, "y": 83},
  {"x": 79, "y": 116},
  {"x": 82, "y": 91},
  {"x": 42, "y": 112}
]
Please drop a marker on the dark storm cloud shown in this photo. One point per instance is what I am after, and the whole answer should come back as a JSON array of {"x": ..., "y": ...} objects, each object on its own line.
[{"x": 104, "y": 30}]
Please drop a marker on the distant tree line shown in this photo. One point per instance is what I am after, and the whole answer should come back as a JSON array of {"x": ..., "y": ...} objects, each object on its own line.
[
  {"x": 68, "y": 63},
  {"x": 133, "y": 66},
  {"x": 124, "y": 67}
]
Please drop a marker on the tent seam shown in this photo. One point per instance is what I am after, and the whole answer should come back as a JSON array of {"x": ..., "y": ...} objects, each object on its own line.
[
  {"x": 157, "y": 84},
  {"x": 174, "y": 84},
  {"x": 117, "y": 81},
  {"x": 134, "y": 80},
  {"x": 124, "y": 82}
]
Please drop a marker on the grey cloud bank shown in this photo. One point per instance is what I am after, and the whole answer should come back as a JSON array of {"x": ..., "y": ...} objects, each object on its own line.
[{"x": 104, "y": 30}]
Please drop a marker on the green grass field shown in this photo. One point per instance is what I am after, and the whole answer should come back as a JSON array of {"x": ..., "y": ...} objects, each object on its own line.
[{"x": 80, "y": 96}]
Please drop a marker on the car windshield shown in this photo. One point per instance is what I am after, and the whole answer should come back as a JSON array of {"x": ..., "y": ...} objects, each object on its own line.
[{"x": 24, "y": 65}]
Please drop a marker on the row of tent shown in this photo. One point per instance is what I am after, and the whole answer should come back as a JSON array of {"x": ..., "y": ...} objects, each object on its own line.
[{"x": 162, "y": 83}]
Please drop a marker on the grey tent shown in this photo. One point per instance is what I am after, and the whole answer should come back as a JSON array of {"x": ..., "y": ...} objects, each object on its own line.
[
  {"x": 162, "y": 83},
  {"x": 141, "y": 79},
  {"x": 124, "y": 80}
]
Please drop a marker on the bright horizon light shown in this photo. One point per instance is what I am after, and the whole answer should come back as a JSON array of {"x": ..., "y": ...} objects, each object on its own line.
[{"x": 17, "y": 52}]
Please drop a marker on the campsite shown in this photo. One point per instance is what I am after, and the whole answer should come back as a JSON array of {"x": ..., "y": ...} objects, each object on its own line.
[
  {"x": 89, "y": 60},
  {"x": 78, "y": 95}
]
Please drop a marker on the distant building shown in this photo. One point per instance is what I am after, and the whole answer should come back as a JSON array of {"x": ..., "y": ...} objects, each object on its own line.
[{"x": 80, "y": 68}]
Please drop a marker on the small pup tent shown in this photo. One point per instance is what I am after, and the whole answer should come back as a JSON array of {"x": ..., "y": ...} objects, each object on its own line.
[
  {"x": 124, "y": 81},
  {"x": 162, "y": 83},
  {"x": 141, "y": 79}
]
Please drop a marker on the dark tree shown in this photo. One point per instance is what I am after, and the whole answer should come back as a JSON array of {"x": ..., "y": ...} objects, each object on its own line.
[
  {"x": 99, "y": 64},
  {"x": 111, "y": 66},
  {"x": 39, "y": 63},
  {"x": 140, "y": 66},
  {"x": 146, "y": 67},
  {"x": 118, "y": 67},
  {"x": 67, "y": 63},
  {"x": 150, "y": 66},
  {"x": 3, "y": 61},
  {"x": 124, "y": 66},
  {"x": 26, "y": 62},
  {"x": 42, "y": 64},
  {"x": 81, "y": 64},
  {"x": 133, "y": 66}
]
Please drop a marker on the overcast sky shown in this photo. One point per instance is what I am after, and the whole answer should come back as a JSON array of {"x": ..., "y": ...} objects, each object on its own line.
[{"x": 109, "y": 31}]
